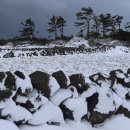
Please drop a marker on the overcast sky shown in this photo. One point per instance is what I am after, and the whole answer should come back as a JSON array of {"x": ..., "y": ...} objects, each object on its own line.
[{"x": 13, "y": 12}]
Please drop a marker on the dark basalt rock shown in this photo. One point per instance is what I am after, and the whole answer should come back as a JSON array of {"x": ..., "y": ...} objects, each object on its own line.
[
  {"x": 96, "y": 78},
  {"x": 18, "y": 123},
  {"x": 113, "y": 73},
  {"x": 28, "y": 105},
  {"x": 127, "y": 97},
  {"x": 127, "y": 84},
  {"x": 128, "y": 71},
  {"x": 68, "y": 114},
  {"x": 120, "y": 80},
  {"x": 95, "y": 117},
  {"x": 2, "y": 76},
  {"x": 19, "y": 91},
  {"x": 40, "y": 81},
  {"x": 92, "y": 102},
  {"x": 78, "y": 81},
  {"x": 9, "y": 55},
  {"x": 113, "y": 76},
  {"x": 53, "y": 123},
  {"x": 98, "y": 118},
  {"x": 10, "y": 81},
  {"x": 61, "y": 78},
  {"x": 19, "y": 74},
  {"x": 5, "y": 94},
  {"x": 124, "y": 111}
]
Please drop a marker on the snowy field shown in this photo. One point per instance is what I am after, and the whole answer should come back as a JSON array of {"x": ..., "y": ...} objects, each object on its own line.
[
  {"x": 114, "y": 124},
  {"x": 86, "y": 64}
]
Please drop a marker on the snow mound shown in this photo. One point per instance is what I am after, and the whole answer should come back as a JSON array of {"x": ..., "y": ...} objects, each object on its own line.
[
  {"x": 119, "y": 50},
  {"x": 37, "y": 99},
  {"x": 60, "y": 96},
  {"x": 74, "y": 104},
  {"x": 105, "y": 104},
  {"x": 47, "y": 113},
  {"x": 15, "y": 113},
  {"x": 24, "y": 85},
  {"x": 7, "y": 125},
  {"x": 53, "y": 84},
  {"x": 77, "y": 42},
  {"x": 117, "y": 123},
  {"x": 32, "y": 101}
]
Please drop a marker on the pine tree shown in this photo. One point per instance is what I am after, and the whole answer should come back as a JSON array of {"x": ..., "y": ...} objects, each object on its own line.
[
  {"x": 119, "y": 21},
  {"x": 61, "y": 25},
  {"x": 83, "y": 19},
  {"x": 112, "y": 24},
  {"x": 105, "y": 20},
  {"x": 53, "y": 25},
  {"x": 96, "y": 24},
  {"x": 127, "y": 26},
  {"x": 28, "y": 29}
]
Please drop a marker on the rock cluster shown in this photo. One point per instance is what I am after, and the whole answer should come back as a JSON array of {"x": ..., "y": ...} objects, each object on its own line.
[{"x": 41, "y": 98}]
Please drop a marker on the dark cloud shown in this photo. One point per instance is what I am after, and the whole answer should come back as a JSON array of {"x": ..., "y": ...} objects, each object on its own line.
[{"x": 13, "y": 12}]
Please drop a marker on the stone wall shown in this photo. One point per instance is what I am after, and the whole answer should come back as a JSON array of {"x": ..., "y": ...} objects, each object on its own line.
[{"x": 25, "y": 98}]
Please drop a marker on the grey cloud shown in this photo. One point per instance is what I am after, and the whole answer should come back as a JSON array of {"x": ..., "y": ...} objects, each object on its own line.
[{"x": 13, "y": 12}]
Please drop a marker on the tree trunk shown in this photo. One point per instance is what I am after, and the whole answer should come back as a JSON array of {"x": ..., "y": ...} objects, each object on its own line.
[
  {"x": 119, "y": 26},
  {"x": 104, "y": 30},
  {"x": 88, "y": 28},
  {"x": 55, "y": 33},
  {"x": 62, "y": 32}
]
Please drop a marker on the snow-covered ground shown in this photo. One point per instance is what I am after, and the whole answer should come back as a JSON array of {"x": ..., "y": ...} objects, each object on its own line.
[
  {"x": 74, "y": 42},
  {"x": 87, "y": 64},
  {"x": 79, "y": 63},
  {"x": 116, "y": 123}
]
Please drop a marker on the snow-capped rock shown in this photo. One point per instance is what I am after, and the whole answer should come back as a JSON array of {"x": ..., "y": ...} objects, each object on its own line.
[
  {"x": 48, "y": 113},
  {"x": 53, "y": 84},
  {"x": 40, "y": 81},
  {"x": 76, "y": 42},
  {"x": 63, "y": 94},
  {"x": 101, "y": 105},
  {"x": 44, "y": 82},
  {"x": 61, "y": 78},
  {"x": 60, "y": 96},
  {"x": 7, "y": 125},
  {"x": 32, "y": 101},
  {"x": 78, "y": 81},
  {"x": 74, "y": 105},
  {"x": 23, "y": 83},
  {"x": 7, "y": 85},
  {"x": 120, "y": 83},
  {"x": 15, "y": 113}
]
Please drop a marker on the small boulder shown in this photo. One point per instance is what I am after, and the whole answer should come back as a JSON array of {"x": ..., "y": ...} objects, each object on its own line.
[
  {"x": 97, "y": 78},
  {"x": 9, "y": 55},
  {"x": 40, "y": 81},
  {"x": 32, "y": 101},
  {"x": 48, "y": 113},
  {"x": 78, "y": 81},
  {"x": 44, "y": 82},
  {"x": 61, "y": 78},
  {"x": 124, "y": 109},
  {"x": 7, "y": 85},
  {"x": 14, "y": 113},
  {"x": 72, "y": 109},
  {"x": 23, "y": 83}
]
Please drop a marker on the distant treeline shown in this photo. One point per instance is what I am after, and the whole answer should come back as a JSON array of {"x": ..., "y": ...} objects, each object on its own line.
[{"x": 89, "y": 24}]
